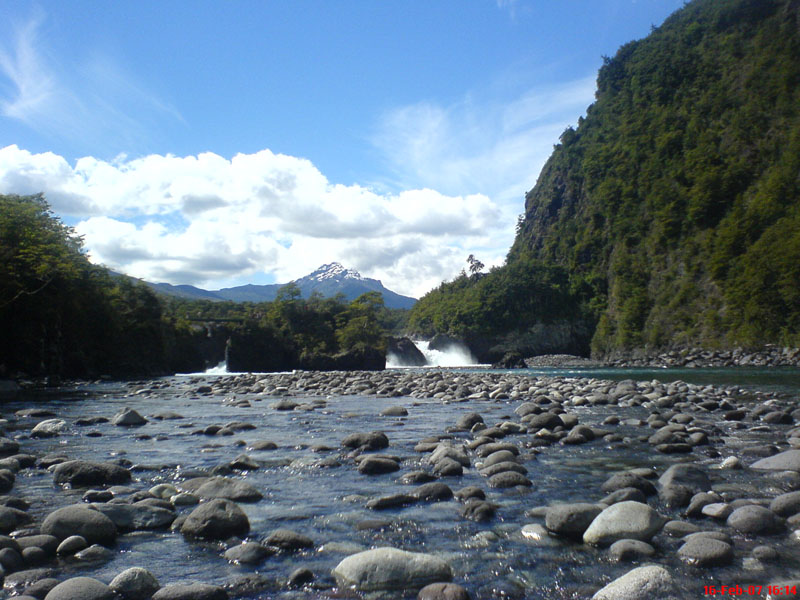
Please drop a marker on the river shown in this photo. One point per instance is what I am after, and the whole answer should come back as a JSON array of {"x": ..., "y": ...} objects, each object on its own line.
[{"x": 490, "y": 559}]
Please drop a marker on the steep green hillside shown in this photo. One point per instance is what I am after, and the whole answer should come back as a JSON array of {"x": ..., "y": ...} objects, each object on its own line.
[{"x": 674, "y": 207}]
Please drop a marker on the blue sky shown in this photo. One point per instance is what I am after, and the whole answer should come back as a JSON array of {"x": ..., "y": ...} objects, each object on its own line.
[{"x": 219, "y": 143}]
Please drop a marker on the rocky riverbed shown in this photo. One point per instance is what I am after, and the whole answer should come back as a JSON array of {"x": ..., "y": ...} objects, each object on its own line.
[
  {"x": 768, "y": 356},
  {"x": 401, "y": 484}
]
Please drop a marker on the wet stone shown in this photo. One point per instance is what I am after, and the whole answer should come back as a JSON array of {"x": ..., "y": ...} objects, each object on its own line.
[
  {"x": 630, "y": 550},
  {"x": 757, "y": 520},
  {"x": 377, "y": 465},
  {"x": 704, "y": 551},
  {"x": 287, "y": 540}
]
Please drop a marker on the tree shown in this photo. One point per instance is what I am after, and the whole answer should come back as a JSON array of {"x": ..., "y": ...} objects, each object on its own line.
[
  {"x": 360, "y": 328},
  {"x": 35, "y": 248},
  {"x": 475, "y": 266}
]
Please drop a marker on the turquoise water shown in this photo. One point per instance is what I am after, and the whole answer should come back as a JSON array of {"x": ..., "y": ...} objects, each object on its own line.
[{"x": 773, "y": 379}]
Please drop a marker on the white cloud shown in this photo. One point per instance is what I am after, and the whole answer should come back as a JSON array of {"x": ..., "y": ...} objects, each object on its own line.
[
  {"x": 495, "y": 146},
  {"x": 212, "y": 221}
]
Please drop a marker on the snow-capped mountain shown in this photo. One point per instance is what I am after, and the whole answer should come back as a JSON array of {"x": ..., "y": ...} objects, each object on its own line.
[
  {"x": 329, "y": 280},
  {"x": 333, "y": 271}
]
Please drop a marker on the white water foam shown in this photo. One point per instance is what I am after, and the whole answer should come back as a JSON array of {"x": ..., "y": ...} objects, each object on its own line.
[
  {"x": 220, "y": 369},
  {"x": 456, "y": 355}
]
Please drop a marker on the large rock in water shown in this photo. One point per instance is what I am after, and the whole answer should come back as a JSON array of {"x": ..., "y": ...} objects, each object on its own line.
[
  {"x": 391, "y": 569},
  {"x": 216, "y": 520},
  {"x": 191, "y": 591},
  {"x": 128, "y": 417},
  {"x": 135, "y": 583},
  {"x": 785, "y": 461},
  {"x": 403, "y": 352},
  {"x": 81, "y": 588},
  {"x": 84, "y": 473},
  {"x": 571, "y": 520},
  {"x": 77, "y": 519},
  {"x": 624, "y": 520},
  {"x": 692, "y": 476},
  {"x": 222, "y": 487},
  {"x": 359, "y": 359},
  {"x": 129, "y": 517},
  {"x": 643, "y": 582},
  {"x": 755, "y": 520}
]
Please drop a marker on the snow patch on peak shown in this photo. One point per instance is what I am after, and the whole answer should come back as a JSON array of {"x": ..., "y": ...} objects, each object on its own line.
[{"x": 334, "y": 271}]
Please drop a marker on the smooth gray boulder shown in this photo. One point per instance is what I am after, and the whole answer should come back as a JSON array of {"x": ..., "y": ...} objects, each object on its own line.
[
  {"x": 508, "y": 479},
  {"x": 247, "y": 553},
  {"x": 12, "y": 518},
  {"x": 624, "y": 520},
  {"x": 135, "y": 583},
  {"x": 686, "y": 474},
  {"x": 756, "y": 520},
  {"x": 288, "y": 540},
  {"x": 134, "y": 517},
  {"x": 8, "y": 446},
  {"x": 81, "y": 588},
  {"x": 443, "y": 591},
  {"x": 620, "y": 481},
  {"x": 191, "y": 591},
  {"x": 786, "y": 505},
  {"x": 784, "y": 461},
  {"x": 128, "y": 417},
  {"x": 445, "y": 450},
  {"x": 7, "y": 479},
  {"x": 391, "y": 569},
  {"x": 629, "y": 550},
  {"x": 498, "y": 457},
  {"x": 374, "y": 440},
  {"x": 571, "y": 520},
  {"x": 77, "y": 519},
  {"x": 217, "y": 519},
  {"x": 49, "y": 428},
  {"x": 377, "y": 465},
  {"x": 650, "y": 581},
  {"x": 221, "y": 487},
  {"x": 705, "y": 551},
  {"x": 72, "y": 545},
  {"x": 435, "y": 491},
  {"x": 84, "y": 473}
]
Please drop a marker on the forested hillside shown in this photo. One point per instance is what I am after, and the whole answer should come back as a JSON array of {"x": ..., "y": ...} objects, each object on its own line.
[
  {"x": 672, "y": 212},
  {"x": 62, "y": 316}
]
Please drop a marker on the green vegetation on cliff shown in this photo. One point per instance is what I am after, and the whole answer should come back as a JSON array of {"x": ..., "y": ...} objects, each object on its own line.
[
  {"x": 673, "y": 209},
  {"x": 61, "y": 315}
]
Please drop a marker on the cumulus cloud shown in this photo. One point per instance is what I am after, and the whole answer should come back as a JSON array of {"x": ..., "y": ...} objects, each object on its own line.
[{"x": 208, "y": 220}]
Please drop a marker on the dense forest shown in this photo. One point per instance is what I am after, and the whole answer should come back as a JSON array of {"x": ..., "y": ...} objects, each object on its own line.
[
  {"x": 62, "y": 316},
  {"x": 670, "y": 216}
]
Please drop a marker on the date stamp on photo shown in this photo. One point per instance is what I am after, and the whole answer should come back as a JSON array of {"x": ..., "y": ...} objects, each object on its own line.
[{"x": 750, "y": 590}]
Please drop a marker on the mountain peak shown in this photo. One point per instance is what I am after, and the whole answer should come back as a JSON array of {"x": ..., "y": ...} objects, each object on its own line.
[{"x": 334, "y": 271}]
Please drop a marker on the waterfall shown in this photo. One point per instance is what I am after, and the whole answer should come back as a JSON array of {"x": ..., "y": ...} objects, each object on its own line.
[
  {"x": 454, "y": 355},
  {"x": 220, "y": 369}
]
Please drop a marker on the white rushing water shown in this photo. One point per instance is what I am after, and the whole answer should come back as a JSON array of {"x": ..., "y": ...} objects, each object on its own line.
[
  {"x": 220, "y": 369},
  {"x": 455, "y": 355}
]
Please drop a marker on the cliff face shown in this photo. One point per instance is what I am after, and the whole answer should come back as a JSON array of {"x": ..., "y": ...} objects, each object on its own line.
[
  {"x": 670, "y": 217},
  {"x": 675, "y": 204}
]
